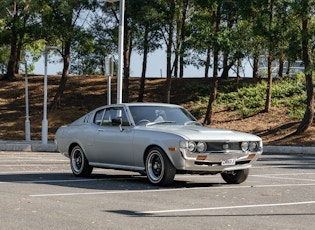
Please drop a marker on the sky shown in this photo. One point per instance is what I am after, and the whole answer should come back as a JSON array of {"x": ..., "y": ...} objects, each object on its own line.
[{"x": 156, "y": 67}]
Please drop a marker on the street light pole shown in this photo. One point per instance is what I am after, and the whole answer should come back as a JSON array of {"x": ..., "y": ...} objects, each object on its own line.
[
  {"x": 45, "y": 121},
  {"x": 121, "y": 52},
  {"x": 120, "y": 48},
  {"x": 27, "y": 120}
]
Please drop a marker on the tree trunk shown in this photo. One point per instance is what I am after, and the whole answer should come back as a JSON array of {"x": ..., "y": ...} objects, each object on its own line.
[
  {"x": 144, "y": 66},
  {"x": 11, "y": 67},
  {"x": 18, "y": 54},
  {"x": 255, "y": 67},
  {"x": 288, "y": 68},
  {"x": 64, "y": 77},
  {"x": 168, "y": 71},
  {"x": 225, "y": 72},
  {"x": 309, "y": 112},
  {"x": 209, "y": 112},
  {"x": 167, "y": 95},
  {"x": 280, "y": 72},
  {"x": 213, "y": 95},
  {"x": 269, "y": 86},
  {"x": 226, "y": 69},
  {"x": 182, "y": 38},
  {"x": 13, "y": 59},
  {"x": 127, "y": 56},
  {"x": 207, "y": 66}
]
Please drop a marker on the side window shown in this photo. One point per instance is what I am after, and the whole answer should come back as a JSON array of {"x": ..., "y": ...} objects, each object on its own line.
[
  {"x": 87, "y": 118},
  {"x": 98, "y": 117},
  {"x": 114, "y": 113},
  {"x": 107, "y": 119}
]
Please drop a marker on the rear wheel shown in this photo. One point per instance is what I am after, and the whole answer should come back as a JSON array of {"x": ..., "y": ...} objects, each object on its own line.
[
  {"x": 235, "y": 177},
  {"x": 159, "y": 169},
  {"x": 79, "y": 164}
]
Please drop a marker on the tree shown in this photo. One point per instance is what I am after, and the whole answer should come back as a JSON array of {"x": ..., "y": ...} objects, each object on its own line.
[
  {"x": 216, "y": 10},
  {"x": 182, "y": 16},
  {"x": 304, "y": 8},
  {"x": 167, "y": 26},
  {"x": 61, "y": 25},
  {"x": 147, "y": 36},
  {"x": 16, "y": 21},
  {"x": 200, "y": 41}
]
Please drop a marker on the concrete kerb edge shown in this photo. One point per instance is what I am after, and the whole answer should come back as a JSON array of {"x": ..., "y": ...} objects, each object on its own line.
[
  {"x": 27, "y": 146},
  {"x": 288, "y": 150}
]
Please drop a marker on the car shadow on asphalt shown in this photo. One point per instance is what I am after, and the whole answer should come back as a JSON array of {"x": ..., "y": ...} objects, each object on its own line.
[{"x": 99, "y": 181}]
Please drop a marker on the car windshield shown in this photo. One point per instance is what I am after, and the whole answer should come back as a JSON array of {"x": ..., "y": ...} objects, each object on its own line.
[{"x": 151, "y": 115}]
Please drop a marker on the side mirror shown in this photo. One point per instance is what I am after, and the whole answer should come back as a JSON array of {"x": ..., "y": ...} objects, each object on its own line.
[{"x": 118, "y": 122}]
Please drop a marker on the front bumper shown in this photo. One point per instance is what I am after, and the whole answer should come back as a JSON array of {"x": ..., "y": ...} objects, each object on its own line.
[{"x": 219, "y": 162}]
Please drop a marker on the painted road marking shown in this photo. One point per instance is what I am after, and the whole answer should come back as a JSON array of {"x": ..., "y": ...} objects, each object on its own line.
[
  {"x": 283, "y": 178},
  {"x": 225, "y": 207}
]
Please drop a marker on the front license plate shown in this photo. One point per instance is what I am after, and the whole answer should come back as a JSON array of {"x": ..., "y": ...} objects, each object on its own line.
[{"x": 228, "y": 162}]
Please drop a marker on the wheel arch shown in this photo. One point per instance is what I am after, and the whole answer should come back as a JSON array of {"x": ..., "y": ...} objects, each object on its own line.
[
  {"x": 147, "y": 150},
  {"x": 72, "y": 145}
]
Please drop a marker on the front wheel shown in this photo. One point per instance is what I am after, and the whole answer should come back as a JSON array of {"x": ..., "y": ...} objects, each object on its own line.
[
  {"x": 79, "y": 164},
  {"x": 159, "y": 169},
  {"x": 235, "y": 177}
]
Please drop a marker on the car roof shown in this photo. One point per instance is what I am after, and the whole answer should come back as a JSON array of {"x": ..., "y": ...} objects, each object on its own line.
[{"x": 146, "y": 104}]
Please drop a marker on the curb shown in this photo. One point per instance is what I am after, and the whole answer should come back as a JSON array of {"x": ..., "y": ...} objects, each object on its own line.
[
  {"x": 288, "y": 150},
  {"x": 27, "y": 146}
]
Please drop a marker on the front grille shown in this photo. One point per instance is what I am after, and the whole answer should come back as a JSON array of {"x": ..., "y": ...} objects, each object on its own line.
[{"x": 222, "y": 146}]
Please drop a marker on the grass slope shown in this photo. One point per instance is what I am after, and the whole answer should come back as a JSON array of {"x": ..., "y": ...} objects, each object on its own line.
[{"x": 238, "y": 106}]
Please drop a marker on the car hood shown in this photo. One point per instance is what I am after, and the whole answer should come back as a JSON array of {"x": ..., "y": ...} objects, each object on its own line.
[{"x": 194, "y": 132}]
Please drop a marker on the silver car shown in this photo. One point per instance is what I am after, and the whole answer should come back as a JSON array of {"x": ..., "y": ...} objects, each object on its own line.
[{"x": 156, "y": 140}]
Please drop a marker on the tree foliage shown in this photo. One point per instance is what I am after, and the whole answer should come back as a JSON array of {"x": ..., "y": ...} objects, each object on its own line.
[{"x": 215, "y": 35}]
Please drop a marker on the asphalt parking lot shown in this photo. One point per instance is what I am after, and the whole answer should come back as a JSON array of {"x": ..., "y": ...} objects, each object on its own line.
[{"x": 38, "y": 191}]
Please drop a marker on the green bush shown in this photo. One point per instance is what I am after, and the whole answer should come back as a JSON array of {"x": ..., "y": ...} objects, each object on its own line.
[{"x": 251, "y": 98}]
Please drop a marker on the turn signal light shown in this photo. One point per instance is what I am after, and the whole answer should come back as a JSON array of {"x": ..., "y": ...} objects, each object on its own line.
[
  {"x": 251, "y": 156},
  {"x": 201, "y": 157}
]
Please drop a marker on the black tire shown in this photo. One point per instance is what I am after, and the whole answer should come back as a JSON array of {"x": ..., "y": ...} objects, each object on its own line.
[
  {"x": 159, "y": 169},
  {"x": 235, "y": 177},
  {"x": 79, "y": 164}
]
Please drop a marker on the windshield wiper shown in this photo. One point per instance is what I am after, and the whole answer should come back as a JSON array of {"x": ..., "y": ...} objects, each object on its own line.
[{"x": 159, "y": 122}]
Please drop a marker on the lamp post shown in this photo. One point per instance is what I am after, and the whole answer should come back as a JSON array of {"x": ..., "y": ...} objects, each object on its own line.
[
  {"x": 120, "y": 48},
  {"x": 27, "y": 120},
  {"x": 45, "y": 121},
  {"x": 109, "y": 70}
]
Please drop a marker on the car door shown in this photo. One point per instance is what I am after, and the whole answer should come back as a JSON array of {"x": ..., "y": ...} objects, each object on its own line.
[{"x": 113, "y": 140}]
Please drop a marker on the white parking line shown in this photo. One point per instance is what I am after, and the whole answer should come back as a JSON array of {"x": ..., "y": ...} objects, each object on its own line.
[
  {"x": 282, "y": 174},
  {"x": 33, "y": 172},
  {"x": 226, "y": 207},
  {"x": 48, "y": 181},
  {"x": 283, "y": 178}
]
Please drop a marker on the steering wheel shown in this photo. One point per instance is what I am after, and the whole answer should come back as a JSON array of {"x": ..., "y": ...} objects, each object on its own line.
[{"x": 142, "y": 121}]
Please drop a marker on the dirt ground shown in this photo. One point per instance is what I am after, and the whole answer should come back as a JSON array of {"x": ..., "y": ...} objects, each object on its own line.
[{"x": 85, "y": 93}]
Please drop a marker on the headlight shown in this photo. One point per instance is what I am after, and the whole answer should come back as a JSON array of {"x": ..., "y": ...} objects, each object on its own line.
[
  {"x": 244, "y": 146},
  {"x": 201, "y": 147},
  {"x": 191, "y": 146},
  {"x": 253, "y": 146}
]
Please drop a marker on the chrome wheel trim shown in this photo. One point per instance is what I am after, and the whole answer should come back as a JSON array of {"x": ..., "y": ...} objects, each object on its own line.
[
  {"x": 155, "y": 167},
  {"x": 77, "y": 160}
]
